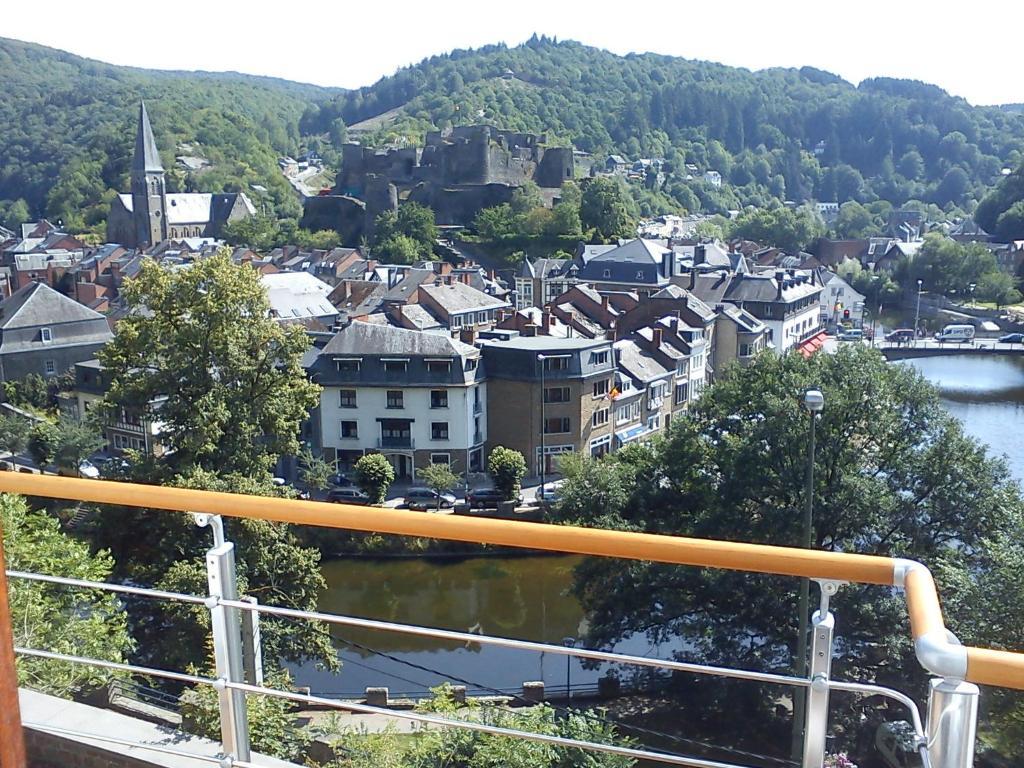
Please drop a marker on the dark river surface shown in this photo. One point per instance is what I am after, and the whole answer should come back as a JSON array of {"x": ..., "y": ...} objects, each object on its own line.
[
  {"x": 529, "y": 597},
  {"x": 987, "y": 395}
]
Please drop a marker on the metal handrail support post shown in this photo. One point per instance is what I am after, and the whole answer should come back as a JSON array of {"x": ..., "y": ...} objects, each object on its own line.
[
  {"x": 952, "y": 723},
  {"x": 227, "y": 650},
  {"x": 816, "y": 714}
]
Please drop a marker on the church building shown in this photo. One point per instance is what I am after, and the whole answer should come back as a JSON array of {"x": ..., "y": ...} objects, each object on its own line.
[{"x": 149, "y": 215}]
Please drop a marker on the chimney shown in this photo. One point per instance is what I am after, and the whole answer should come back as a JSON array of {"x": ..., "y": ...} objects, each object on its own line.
[
  {"x": 719, "y": 308},
  {"x": 468, "y": 336},
  {"x": 700, "y": 254},
  {"x": 693, "y": 279},
  {"x": 656, "y": 336},
  {"x": 780, "y": 277},
  {"x": 675, "y": 322},
  {"x": 545, "y": 320},
  {"x": 604, "y": 303},
  {"x": 530, "y": 329}
]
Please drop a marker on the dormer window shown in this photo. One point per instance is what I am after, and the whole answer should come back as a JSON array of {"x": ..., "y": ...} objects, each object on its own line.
[
  {"x": 607, "y": 273},
  {"x": 46, "y": 335}
]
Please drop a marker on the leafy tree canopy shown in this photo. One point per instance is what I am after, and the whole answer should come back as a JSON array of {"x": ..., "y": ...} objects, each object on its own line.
[{"x": 895, "y": 475}]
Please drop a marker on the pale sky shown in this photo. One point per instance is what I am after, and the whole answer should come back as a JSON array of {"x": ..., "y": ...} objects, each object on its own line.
[{"x": 969, "y": 49}]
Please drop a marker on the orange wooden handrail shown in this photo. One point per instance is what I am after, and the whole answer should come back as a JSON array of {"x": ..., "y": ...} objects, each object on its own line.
[{"x": 999, "y": 668}]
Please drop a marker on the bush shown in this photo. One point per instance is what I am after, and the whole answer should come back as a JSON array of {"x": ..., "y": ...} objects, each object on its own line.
[
  {"x": 374, "y": 475},
  {"x": 507, "y": 468}
]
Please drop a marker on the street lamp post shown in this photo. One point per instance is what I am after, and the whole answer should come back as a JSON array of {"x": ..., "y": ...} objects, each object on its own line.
[
  {"x": 543, "y": 457},
  {"x": 917, "y": 313},
  {"x": 568, "y": 642},
  {"x": 813, "y": 401}
]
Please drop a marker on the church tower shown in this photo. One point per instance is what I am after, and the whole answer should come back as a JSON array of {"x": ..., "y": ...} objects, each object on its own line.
[{"x": 149, "y": 197}]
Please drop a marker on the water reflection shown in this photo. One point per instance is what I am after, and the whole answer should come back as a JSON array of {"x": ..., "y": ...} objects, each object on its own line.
[{"x": 987, "y": 395}]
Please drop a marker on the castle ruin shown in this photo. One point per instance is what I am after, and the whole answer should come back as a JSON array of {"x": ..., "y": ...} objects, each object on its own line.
[{"x": 458, "y": 172}]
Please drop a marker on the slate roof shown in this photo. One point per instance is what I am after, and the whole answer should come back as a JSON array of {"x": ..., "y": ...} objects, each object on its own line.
[
  {"x": 196, "y": 207},
  {"x": 37, "y": 304},
  {"x": 746, "y": 321},
  {"x": 373, "y": 339},
  {"x": 639, "y": 364},
  {"x": 418, "y": 316},
  {"x": 147, "y": 157},
  {"x": 297, "y": 295},
  {"x": 459, "y": 297},
  {"x": 638, "y": 261}
]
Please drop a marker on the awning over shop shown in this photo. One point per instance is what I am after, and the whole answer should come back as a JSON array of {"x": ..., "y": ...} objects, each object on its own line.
[
  {"x": 628, "y": 435},
  {"x": 813, "y": 344}
]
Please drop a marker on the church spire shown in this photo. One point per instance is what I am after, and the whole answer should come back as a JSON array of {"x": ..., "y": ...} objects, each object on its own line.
[{"x": 147, "y": 158}]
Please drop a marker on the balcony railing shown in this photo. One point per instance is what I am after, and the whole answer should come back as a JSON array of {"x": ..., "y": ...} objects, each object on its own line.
[
  {"x": 945, "y": 741},
  {"x": 395, "y": 442}
]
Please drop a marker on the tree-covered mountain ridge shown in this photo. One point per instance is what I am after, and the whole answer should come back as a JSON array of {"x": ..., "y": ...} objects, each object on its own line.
[
  {"x": 793, "y": 134},
  {"x": 69, "y": 131},
  {"x": 775, "y": 134}
]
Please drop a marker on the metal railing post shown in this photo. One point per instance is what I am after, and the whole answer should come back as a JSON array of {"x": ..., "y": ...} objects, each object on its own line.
[
  {"x": 252, "y": 644},
  {"x": 227, "y": 649},
  {"x": 952, "y": 723},
  {"x": 816, "y": 718}
]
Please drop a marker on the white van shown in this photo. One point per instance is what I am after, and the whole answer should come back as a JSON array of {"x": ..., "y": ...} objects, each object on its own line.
[{"x": 956, "y": 333}]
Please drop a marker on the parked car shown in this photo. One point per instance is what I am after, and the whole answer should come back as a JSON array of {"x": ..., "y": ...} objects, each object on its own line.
[
  {"x": 956, "y": 332},
  {"x": 900, "y": 335},
  {"x": 1012, "y": 338},
  {"x": 850, "y": 334},
  {"x": 347, "y": 496},
  {"x": 488, "y": 497},
  {"x": 425, "y": 498},
  {"x": 549, "y": 495}
]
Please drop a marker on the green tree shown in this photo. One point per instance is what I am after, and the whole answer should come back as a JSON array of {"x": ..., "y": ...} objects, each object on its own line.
[
  {"x": 43, "y": 441},
  {"x": 374, "y": 475},
  {"x": 496, "y": 222},
  {"x": 855, "y": 221},
  {"x": 199, "y": 355},
  {"x": 439, "y": 478},
  {"x": 13, "y": 433},
  {"x": 897, "y": 477},
  {"x": 999, "y": 287},
  {"x": 313, "y": 470},
  {"x": 75, "y": 443},
  {"x": 79, "y": 622},
  {"x": 460, "y": 748},
  {"x": 507, "y": 468},
  {"x": 29, "y": 392},
  {"x": 411, "y": 229},
  {"x": 788, "y": 229},
  {"x": 608, "y": 209}
]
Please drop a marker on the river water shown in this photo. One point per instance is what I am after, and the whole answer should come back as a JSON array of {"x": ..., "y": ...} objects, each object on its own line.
[
  {"x": 987, "y": 395},
  {"x": 529, "y": 597}
]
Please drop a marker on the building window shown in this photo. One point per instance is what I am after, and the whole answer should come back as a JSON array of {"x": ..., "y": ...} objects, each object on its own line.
[
  {"x": 556, "y": 426},
  {"x": 599, "y": 446},
  {"x": 627, "y": 413},
  {"x": 395, "y": 366},
  {"x": 50, "y": 367},
  {"x": 481, "y": 317},
  {"x": 347, "y": 399},
  {"x": 600, "y": 418},
  {"x": 601, "y": 388},
  {"x": 439, "y": 430},
  {"x": 455, "y": 321},
  {"x": 46, "y": 335},
  {"x": 607, "y": 273},
  {"x": 599, "y": 358},
  {"x": 682, "y": 392},
  {"x": 471, "y": 363},
  {"x": 395, "y": 398},
  {"x": 439, "y": 398},
  {"x": 439, "y": 366},
  {"x": 350, "y": 429},
  {"x": 556, "y": 394},
  {"x": 654, "y": 422},
  {"x": 556, "y": 363},
  {"x": 348, "y": 364},
  {"x": 440, "y": 458},
  {"x": 746, "y": 350}
]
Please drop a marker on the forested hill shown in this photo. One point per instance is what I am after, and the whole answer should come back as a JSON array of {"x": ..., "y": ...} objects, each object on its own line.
[
  {"x": 786, "y": 133},
  {"x": 69, "y": 129},
  {"x": 68, "y": 126}
]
